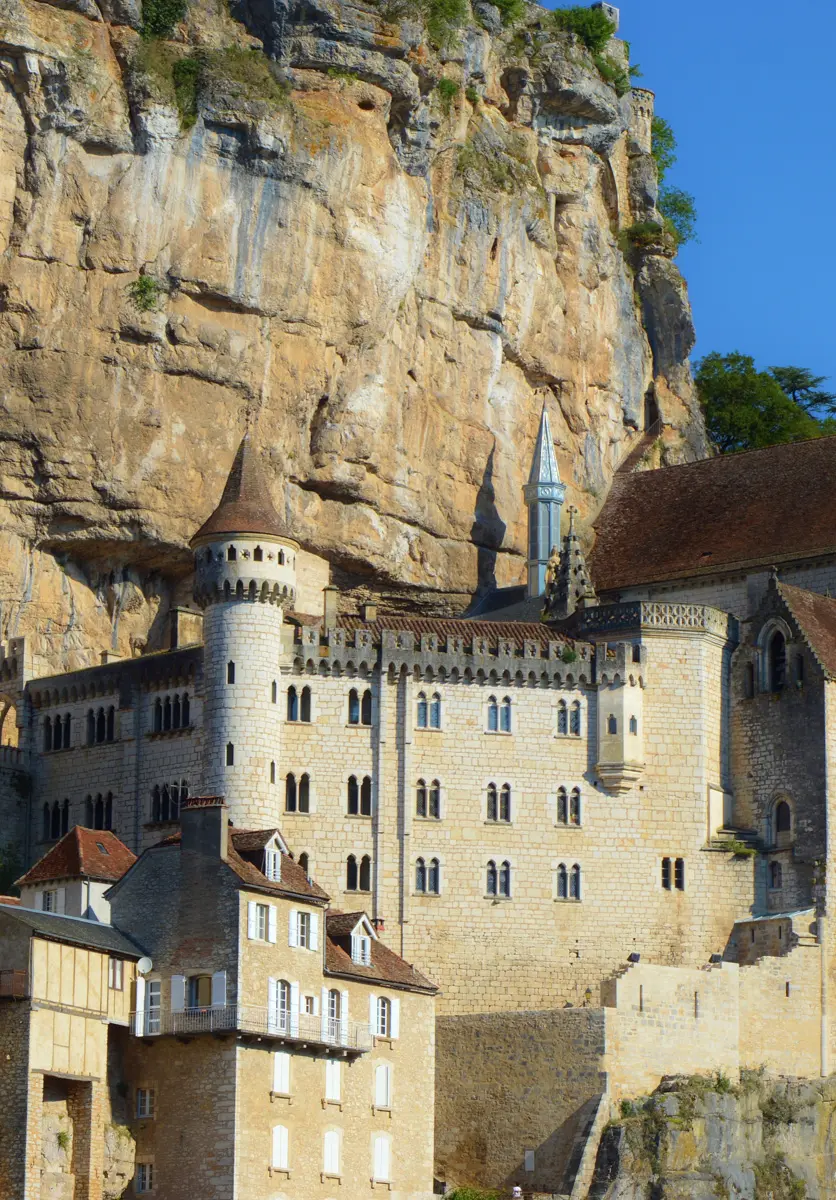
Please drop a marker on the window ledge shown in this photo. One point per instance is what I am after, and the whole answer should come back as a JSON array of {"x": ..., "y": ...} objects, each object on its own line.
[
  {"x": 378, "y": 1039},
  {"x": 568, "y": 900},
  {"x": 160, "y": 733},
  {"x": 304, "y": 724},
  {"x": 498, "y": 899},
  {"x": 381, "y": 1183},
  {"x": 281, "y": 1096},
  {"x": 332, "y": 1104},
  {"x": 567, "y": 826},
  {"x": 63, "y": 750},
  {"x": 432, "y": 895},
  {"x": 503, "y": 824},
  {"x": 358, "y": 891},
  {"x": 271, "y": 1171},
  {"x": 432, "y": 820},
  {"x": 358, "y": 725},
  {"x": 499, "y": 733},
  {"x": 358, "y": 816},
  {"x": 429, "y": 729},
  {"x": 568, "y": 737},
  {"x": 324, "y": 1176},
  {"x": 295, "y": 812}
]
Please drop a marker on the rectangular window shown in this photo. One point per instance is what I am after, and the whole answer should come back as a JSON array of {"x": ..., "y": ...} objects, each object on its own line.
[
  {"x": 115, "y": 974},
  {"x": 145, "y": 1102},
  {"x": 333, "y": 1080},
  {"x": 144, "y": 1181},
  {"x": 261, "y": 921},
  {"x": 381, "y": 1168},
  {"x": 310, "y": 1006},
  {"x": 679, "y": 874},
  {"x": 528, "y": 1160},
  {"x": 152, "y": 1014},
  {"x": 200, "y": 991},
  {"x": 331, "y": 1153},
  {"x": 49, "y": 902},
  {"x": 383, "y": 1086},
  {"x": 280, "y": 1158},
  {"x": 666, "y": 874},
  {"x": 272, "y": 864},
  {"x": 303, "y": 930}
]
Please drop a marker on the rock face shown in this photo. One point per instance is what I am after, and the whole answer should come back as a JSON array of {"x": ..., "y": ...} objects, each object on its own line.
[
  {"x": 766, "y": 1139},
  {"x": 386, "y": 278}
]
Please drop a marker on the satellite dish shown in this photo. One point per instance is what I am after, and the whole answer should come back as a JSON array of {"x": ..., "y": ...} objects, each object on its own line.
[{"x": 144, "y": 966}]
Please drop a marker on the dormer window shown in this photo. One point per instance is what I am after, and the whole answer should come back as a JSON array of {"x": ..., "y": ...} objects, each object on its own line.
[
  {"x": 102, "y": 849},
  {"x": 273, "y": 865},
  {"x": 361, "y": 949}
]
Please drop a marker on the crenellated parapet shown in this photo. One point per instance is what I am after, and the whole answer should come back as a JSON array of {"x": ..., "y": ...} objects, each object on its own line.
[{"x": 245, "y": 568}]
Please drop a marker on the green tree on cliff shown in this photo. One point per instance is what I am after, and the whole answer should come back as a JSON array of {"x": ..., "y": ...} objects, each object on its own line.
[{"x": 746, "y": 409}]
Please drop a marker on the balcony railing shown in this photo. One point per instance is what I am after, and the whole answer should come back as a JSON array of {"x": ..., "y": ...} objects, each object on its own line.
[
  {"x": 14, "y": 985},
  {"x": 247, "y": 1018}
]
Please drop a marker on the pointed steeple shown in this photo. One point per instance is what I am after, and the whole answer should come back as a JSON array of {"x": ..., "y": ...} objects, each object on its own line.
[
  {"x": 571, "y": 588},
  {"x": 245, "y": 505},
  {"x": 544, "y": 495}
]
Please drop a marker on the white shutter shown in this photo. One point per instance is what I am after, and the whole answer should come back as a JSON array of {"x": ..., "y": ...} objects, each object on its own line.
[
  {"x": 279, "y": 1148},
  {"x": 344, "y": 1018},
  {"x": 356, "y": 955},
  {"x": 60, "y": 900},
  {"x": 381, "y": 1158},
  {"x": 294, "y": 1010},
  {"x": 396, "y": 1019},
  {"x": 271, "y": 923},
  {"x": 332, "y": 1079},
  {"x": 332, "y": 1152},
  {"x": 272, "y": 1005},
  {"x": 372, "y": 1013},
  {"x": 381, "y": 1085},
  {"x": 252, "y": 919},
  {"x": 219, "y": 989},
  {"x": 293, "y": 929},
  {"x": 139, "y": 1025},
  {"x": 178, "y": 993},
  {"x": 314, "y": 931},
  {"x": 323, "y": 1014},
  {"x": 281, "y": 1072}
]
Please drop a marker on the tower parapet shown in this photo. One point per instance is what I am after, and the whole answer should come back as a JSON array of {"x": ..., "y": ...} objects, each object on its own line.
[{"x": 640, "y": 133}]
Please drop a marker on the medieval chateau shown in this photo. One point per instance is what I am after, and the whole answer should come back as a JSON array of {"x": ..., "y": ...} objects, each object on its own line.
[{"x": 309, "y": 883}]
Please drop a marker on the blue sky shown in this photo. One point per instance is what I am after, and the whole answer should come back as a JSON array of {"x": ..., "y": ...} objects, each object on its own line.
[{"x": 749, "y": 90}]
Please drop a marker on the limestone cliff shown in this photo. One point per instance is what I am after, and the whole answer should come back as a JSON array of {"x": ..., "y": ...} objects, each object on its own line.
[{"x": 299, "y": 228}]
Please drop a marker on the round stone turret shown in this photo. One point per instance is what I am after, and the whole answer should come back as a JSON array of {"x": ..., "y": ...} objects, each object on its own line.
[{"x": 245, "y": 577}]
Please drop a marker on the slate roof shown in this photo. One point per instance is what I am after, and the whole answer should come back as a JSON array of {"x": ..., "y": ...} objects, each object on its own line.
[
  {"x": 78, "y": 856},
  {"x": 816, "y": 618},
  {"x": 245, "y": 505},
  {"x": 449, "y": 627},
  {"x": 75, "y": 931},
  {"x": 386, "y": 966},
  {"x": 750, "y": 509}
]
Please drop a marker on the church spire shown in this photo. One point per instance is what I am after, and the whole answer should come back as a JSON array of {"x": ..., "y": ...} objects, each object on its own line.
[
  {"x": 544, "y": 494},
  {"x": 571, "y": 587}
]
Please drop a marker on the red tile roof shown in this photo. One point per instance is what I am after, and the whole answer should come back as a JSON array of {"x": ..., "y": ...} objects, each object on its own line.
[
  {"x": 449, "y": 627},
  {"x": 246, "y": 506},
  {"x": 737, "y": 510},
  {"x": 816, "y": 618},
  {"x": 82, "y": 854},
  {"x": 386, "y": 966},
  {"x": 9, "y": 899}
]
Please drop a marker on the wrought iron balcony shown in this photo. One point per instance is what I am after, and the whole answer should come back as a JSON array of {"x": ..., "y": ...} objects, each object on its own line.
[
  {"x": 247, "y": 1018},
  {"x": 14, "y": 985}
]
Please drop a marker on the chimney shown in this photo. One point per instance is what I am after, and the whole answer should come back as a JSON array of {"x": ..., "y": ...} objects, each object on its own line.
[
  {"x": 368, "y": 611},
  {"x": 204, "y": 827},
  {"x": 332, "y": 600},
  {"x": 184, "y": 628}
]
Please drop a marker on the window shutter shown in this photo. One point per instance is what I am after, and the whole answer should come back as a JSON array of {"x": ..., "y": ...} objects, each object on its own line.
[
  {"x": 332, "y": 1079},
  {"x": 252, "y": 920},
  {"x": 281, "y": 1072},
  {"x": 294, "y": 1009},
  {"x": 372, "y": 1013},
  {"x": 381, "y": 1158},
  {"x": 279, "y": 1148},
  {"x": 396, "y": 1019},
  {"x": 344, "y": 1019},
  {"x": 381, "y": 1085},
  {"x": 271, "y": 923},
  {"x": 323, "y": 1014},
  {"x": 178, "y": 993},
  {"x": 293, "y": 929},
  {"x": 60, "y": 900},
  {"x": 39, "y": 901},
  {"x": 272, "y": 1005},
  {"x": 314, "y": 931},
  {"x": 139, "y": 1025},
  {"x": 332, "y": 1152},
  {"x": 219, "y": 989}
]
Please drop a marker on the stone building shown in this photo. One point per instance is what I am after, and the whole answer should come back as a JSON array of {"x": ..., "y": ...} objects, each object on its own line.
[{"x": 623, "y": 760}]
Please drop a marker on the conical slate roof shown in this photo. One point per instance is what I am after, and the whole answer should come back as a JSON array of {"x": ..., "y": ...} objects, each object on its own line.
[
  {"x": 544, "y": 464},
  {"x": 245, "y": 505}
]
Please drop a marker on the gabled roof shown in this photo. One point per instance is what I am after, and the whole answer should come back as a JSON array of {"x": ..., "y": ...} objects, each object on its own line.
[
  {"x": 74, "y": 931},
  {"x": 386, "y": 966},
  {"x": 734, "y": 511},
  {"x": 245, "y": 506},
  {"x": 344, "y": 924},
  {"x": 82, "y": 854},
  {"x": 815, "y": 616}
]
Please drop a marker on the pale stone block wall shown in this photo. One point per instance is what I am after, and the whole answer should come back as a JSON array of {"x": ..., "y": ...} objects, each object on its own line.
[{"x": 780, "y": 1013}]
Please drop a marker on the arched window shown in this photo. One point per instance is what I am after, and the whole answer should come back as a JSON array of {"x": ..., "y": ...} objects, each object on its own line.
[
  {"x": 176, "y": 715},
  {"x": 353, "y": 707},
  {"x": 493, "y": 803},
  {"x": 634, "y": 725},
  {"x": 46, "y": 825},
  {"x": 91, "y": 726},
  {"x": 575, "y": 807},
  {"x": 491, "y": 881},
  {"x": 108, "y": 812},
  {"x": 158, "y": 717},
  {"x": 165, "y": 803},
  {"x": 435, "y": 800},
  {"x": 505, "y": 879},
  {"x": 47, "y": 734},
  {"x": 167, "y": 713},
  {"x": 88, "y": 812},
  {"x": 748, "y": 682},
  {"x": 305, "y": 794},
  {"x": 562, "y": 807},
  {"x": 230, "y": 754},
  {"x": 280, "y": 558},
  {"x": 575, "y": 719},
  {"x": 334, "y": 1015},
  {"x": 365, "y": 874},
  {"x": 612, "y": 724},
  {"x": 351, "y": 874},
  {"x": 777, "y": 661},
  {"x": 562, "y": 882},
  {"x": 366, "y": 708},
  {"x": 435, "y": 711},
  {"x": 420, "y": 875},
  {"x": 290, "y": 793},
  {"x": 562, "y": 717},
  {"x": 493, "y": 714},
  {"x": 353, "y": 807},
  {"x": 187, "y": 716},
  {"x": 282, "y": 1014},
  {"x": 305, "y": 706},
  {"x": 303, "y": 862},
  {"x": 57, "y": 733},
  {"x": 422, "y": 716},
  {"x": 292, "y": 704},
  {"x": 184, "y": 793},
  {"x": 505, "y": 715},
  {"x": 258, "y": 554},
  {"x": 156, "y": 804},
  {"x": 505, "y": 803},
  {"x": 783, "y": 817},
  {"x": 55, "y": 825},
  {"x": 65, "y": 817},
  {"x": 230, "y": 672},
  {"x": 231, "y": 555},
  {"x": 366, "y": 797},
  {"x": 383, "y": 1015},
  {"x": 101, "y": 725},
  {"x": 775, "y": 875},
  {"x": 273, "y": 771},
  {"x": 99, "y": 813},
  {"x": 575, "y": 883},
  {"x": 421, "y": 799},
  {"x": 274, "y": 692},
  {"x": 434, "y": 877}
]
